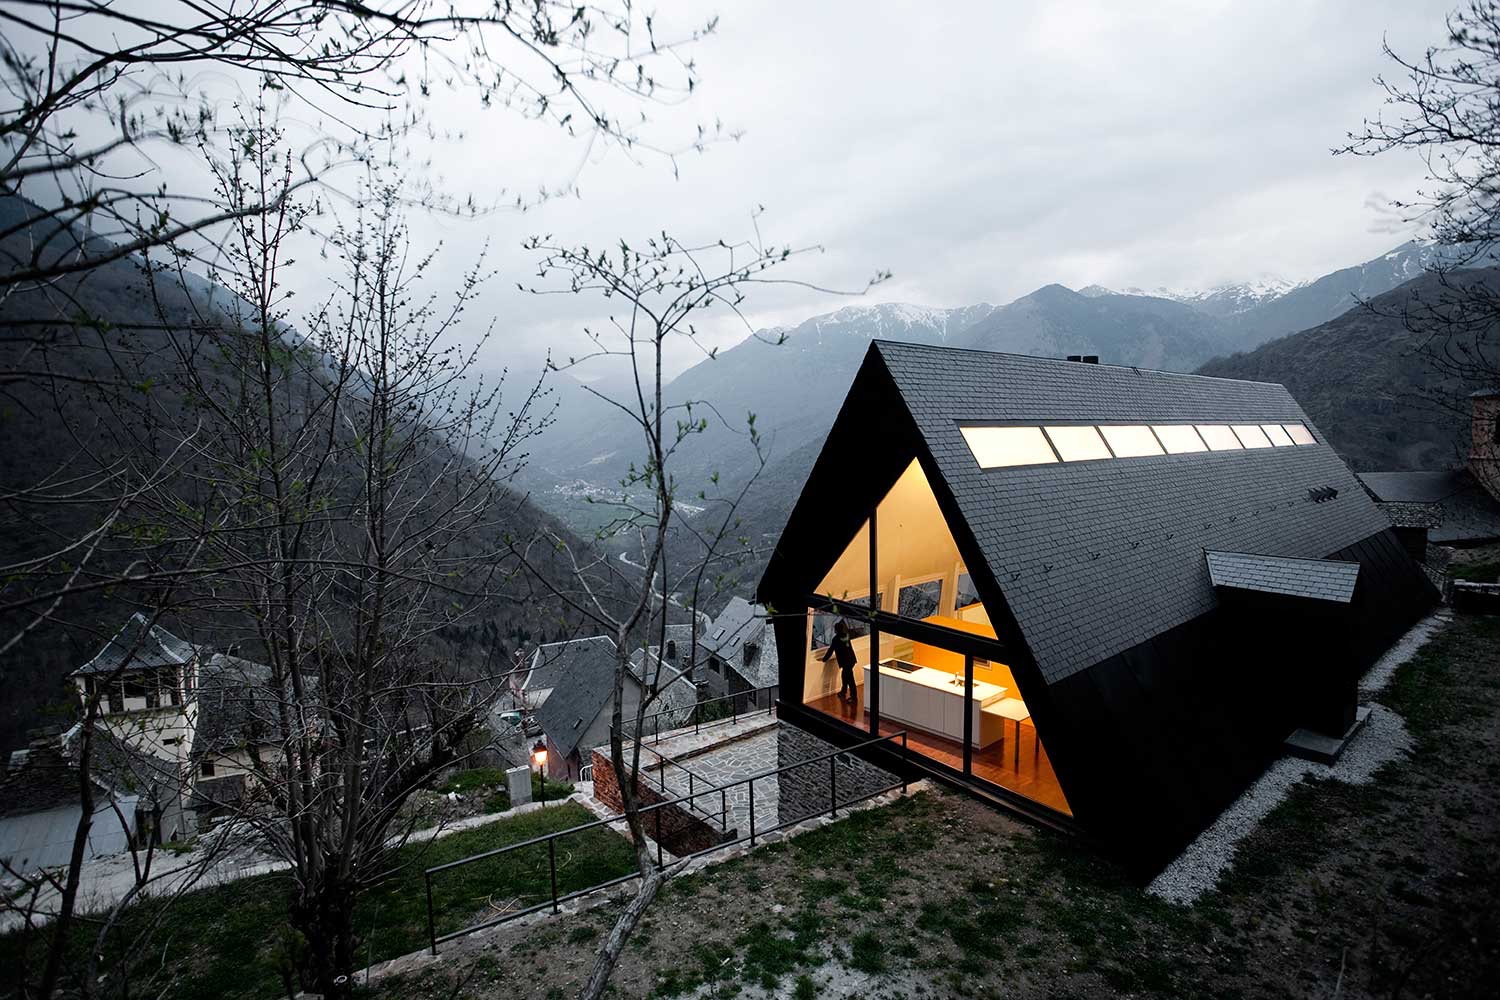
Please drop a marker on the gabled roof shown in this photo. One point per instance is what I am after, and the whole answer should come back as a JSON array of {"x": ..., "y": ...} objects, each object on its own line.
[
  {"x": 739, "y": 636},
  {"x": 581, "y": 687},
  {"x": 1092, "y": 557},
  {"x": 136, "y": 647},
  {"x": 1315, "y": 579},
  {"x": 554, "y": 660}
]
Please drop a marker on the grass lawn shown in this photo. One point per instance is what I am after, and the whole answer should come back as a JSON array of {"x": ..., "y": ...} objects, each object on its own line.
[
  {"x": 1391, "y": 889},
  {"x": 490, "y": 783},
  {"x": 229, "y": 941}
]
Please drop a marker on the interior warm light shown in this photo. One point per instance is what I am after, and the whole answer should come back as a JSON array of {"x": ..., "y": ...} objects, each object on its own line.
[
  {"x": 1219, "y": 437},
  {"x": 1279, "y": 437},
  {"x": 1131, "y": 441},
  {"x": 1077, "y": 444},
  {"x": 1251, "y": 436},
  {"x": 1299, "y": 433},
  {"x": 997, "y": 447},
  {"x": 1178, "y": 439}
]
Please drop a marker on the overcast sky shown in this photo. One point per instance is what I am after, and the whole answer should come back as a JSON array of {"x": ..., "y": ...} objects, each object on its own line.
[{"x": 980, "y": 150}]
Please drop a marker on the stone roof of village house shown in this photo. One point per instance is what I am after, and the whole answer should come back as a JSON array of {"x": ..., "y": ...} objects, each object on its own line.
[{"x": 139, "y": 647}]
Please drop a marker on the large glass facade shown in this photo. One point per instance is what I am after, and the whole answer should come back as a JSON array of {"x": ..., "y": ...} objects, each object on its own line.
[{"x": 961, "y": 710}]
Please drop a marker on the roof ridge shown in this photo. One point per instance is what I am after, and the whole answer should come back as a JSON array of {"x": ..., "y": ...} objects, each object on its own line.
[{"x": 949, "y": 349}]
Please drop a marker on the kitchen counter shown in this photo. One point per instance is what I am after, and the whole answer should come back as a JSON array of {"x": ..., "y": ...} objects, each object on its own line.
[{"x": 928, "y": 699}]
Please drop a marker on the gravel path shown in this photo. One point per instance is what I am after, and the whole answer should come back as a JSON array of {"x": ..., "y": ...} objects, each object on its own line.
[{"x": 1381, "y": 740}]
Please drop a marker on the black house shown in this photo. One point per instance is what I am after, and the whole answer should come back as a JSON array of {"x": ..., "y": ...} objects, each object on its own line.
[{"x": 1101, "y": 596}]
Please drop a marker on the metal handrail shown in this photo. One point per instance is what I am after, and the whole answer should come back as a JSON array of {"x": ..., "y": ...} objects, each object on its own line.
[
  {"x": 734, "y": 716},
  {"x": 550, "y": 839},
  {"x": 693, "y": 777}
]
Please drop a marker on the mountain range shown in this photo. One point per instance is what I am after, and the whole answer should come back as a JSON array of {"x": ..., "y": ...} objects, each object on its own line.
[{"x": 794, "y": 379}]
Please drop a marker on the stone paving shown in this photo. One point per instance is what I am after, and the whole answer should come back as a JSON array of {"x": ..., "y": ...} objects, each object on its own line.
[{"x": 792, "y": 795}]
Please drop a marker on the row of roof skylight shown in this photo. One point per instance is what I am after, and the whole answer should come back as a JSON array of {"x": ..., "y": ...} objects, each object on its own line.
[{"x": 1000, "y": 447}]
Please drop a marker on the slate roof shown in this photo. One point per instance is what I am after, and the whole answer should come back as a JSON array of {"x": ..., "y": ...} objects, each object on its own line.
[
  {"x": 45, "y": 776},
  {"x": 739, "y": 636},
  {"x": 1096, "y": 557},
  {"x": 1317, "y": 579},
  {"x": 235, "y": 705},
  {"x": 143, "y": 648},
  {"x": 580, "y": 690},
  {"x": 555, "y": 660},
  {"x": 580, "y": 694},
  {"x": 1469, "y": 514}
]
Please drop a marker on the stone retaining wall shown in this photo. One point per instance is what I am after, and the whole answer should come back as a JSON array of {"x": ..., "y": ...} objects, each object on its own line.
[{"x": 681, "y": 831}]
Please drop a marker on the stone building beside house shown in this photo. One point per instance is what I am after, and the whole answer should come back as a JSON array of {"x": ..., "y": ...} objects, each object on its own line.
[
  {"x": 139, "y": 799},
  {"x": 147, "y": 679},
  {"x": 737, "y": 655},
  {"x": 1458, "y": 507},
  {"x": 570, "y": 691}
]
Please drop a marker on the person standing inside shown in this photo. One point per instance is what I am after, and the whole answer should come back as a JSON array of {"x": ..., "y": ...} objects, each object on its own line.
[{"x": 842, "y": 649}]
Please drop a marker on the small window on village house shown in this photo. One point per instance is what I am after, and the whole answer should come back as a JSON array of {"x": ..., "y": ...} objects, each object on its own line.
[
  {"x": 1299, "y": 433},
  {"x": 1219, "y": 437},
  {"x": 1000, "y": 447},
  {"x": 1131, "y": 441},
  {"x": 1179, "y": 439},
  {"x": 115, "y": 699},
  {"x": 1279, "y": 437},
  {"x": 1077, "y": 444},
  {"x": 206, "y": 769},
  {"x": 1251, "y": 436}
]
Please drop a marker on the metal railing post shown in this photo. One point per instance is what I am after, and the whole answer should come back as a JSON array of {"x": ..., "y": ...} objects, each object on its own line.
[
  {"x": 752, "y": 812},
  {"x": 724, "y": 809},
  {"x": 905, "y": 762},
  {"x": 552, "y": 867},
  {"x": 431, "y": 923},
  {"x": 833, "y": 787},
  {"x": 658, "y": 836}
]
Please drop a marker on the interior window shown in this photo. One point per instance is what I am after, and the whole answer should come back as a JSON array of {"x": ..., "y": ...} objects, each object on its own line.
[
  {"x": 967, "y": 593},
  {"x": 919, "y": 600},
  {"x": 823, "y": 622}
]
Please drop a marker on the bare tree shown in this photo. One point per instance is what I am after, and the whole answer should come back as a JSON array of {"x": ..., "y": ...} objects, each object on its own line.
[
  {"x": 95, "y": 90},
  {"x": 350, "y": 487},
  {"x": 1445, "y": 106},
  {"x": 658, "y": 291}
]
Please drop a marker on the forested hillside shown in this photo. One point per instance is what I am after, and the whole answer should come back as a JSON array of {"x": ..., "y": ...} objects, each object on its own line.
[
  {"x": 1367, "y": 382},
  {"x": 99, "y": 418}
]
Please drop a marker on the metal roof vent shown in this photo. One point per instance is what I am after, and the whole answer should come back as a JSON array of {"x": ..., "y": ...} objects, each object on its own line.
[{"x": 1322, "y": 494}]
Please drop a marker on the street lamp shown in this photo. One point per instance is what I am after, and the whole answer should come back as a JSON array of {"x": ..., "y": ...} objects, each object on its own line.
[{"x": 539, "y": 755}]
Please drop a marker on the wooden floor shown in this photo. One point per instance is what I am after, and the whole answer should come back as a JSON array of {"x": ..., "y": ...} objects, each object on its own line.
[{"x": 1031, "y": 776}]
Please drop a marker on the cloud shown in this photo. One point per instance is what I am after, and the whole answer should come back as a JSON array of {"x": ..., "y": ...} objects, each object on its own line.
[{"x": 978, "y": 151}]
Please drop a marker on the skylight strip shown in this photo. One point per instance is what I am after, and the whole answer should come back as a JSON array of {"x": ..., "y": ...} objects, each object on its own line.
[
  {"x": 1219, "y": 437},
  {"x": 1299, "y": 434},
  {"x": 1003, "y": 447},
  {"x": 1250, "y": 435},
  {"x": 1077, "y": 444},
  {"x": 1008, "y": 447},
  {"x": 1131, "y": 440},
  {"x": 1179, "y": 439},
  {"x": 1279, "y": 437}
]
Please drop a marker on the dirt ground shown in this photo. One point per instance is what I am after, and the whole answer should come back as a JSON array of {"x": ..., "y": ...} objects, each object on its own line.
[{"x": 1387, "y": 890}]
